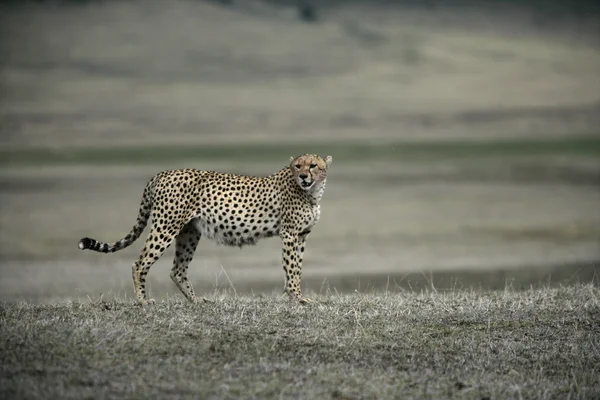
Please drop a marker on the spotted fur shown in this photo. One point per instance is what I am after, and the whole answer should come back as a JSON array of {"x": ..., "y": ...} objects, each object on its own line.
[{"x": 234, "y": 210}]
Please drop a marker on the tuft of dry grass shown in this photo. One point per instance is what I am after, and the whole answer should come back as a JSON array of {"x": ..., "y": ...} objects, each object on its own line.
[{"x": 537, "y": 343}]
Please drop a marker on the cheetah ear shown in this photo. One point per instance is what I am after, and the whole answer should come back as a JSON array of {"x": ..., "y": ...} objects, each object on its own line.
[
  {"x": 328, "y": 160},
  {"x": 291, "y": 159}
]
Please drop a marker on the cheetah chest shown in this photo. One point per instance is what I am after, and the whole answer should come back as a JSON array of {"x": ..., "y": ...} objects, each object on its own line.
[{"x": 311, "y": 217}]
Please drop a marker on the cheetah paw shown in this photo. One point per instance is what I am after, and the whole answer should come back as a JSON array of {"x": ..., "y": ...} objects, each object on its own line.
[
  {"x": 147, "y": 302},
  {"x": 297, "y": 297},
  {"x": 304, "y": 300},
  {"x": 200, "y": 300}
]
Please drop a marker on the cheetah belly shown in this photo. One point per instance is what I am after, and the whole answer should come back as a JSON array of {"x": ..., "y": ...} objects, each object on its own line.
[
  {"x": 239, "y": 237},
  {"x": 208, "y": 231}
]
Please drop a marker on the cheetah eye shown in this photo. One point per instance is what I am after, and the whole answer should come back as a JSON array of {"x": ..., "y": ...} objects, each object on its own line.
[
  {"x": 298, "y": 166},
  {"x": 313, "y": 166}
]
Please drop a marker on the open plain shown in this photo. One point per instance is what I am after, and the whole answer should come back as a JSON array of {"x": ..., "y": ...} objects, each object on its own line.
[{"x": 459, "y": 245}]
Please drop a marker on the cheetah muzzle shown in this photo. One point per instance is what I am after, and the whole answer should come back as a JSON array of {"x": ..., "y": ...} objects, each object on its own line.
[{"x": 233, "y": 210}]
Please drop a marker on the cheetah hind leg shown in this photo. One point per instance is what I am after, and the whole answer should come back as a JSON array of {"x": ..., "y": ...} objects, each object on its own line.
[
  {"x": 155, "y": 246},
  {"x": 185, "y": 246}
]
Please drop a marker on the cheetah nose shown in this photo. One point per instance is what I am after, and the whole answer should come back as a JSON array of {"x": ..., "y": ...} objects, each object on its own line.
[{"x": 303, "y": 176}]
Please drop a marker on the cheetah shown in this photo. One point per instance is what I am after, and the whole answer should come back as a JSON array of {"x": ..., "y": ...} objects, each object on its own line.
[{"x": 233, "y": 210}]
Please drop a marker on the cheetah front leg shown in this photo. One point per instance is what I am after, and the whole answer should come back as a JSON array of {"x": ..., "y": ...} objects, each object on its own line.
[
  {"x": 301, "y": 244},
  {"x": 292, "y": 264},
  {"x": 185, "y": 246}
]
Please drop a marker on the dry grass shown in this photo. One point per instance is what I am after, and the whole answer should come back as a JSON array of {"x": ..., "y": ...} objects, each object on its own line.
[{"x": 538, "y": 343}]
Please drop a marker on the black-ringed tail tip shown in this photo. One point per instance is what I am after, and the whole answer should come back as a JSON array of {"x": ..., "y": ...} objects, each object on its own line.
[{"x": 85, "y": 243}]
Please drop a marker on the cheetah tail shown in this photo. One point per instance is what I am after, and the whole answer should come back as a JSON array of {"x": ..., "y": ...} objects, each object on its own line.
[{"x": 132, "y": 236}]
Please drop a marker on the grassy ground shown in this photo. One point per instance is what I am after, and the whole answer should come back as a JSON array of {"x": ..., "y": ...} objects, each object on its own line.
[{"x": 538, "y": 343}]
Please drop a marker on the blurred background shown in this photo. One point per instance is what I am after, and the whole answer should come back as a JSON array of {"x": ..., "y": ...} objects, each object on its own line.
[{"x": 465, "y": 138}]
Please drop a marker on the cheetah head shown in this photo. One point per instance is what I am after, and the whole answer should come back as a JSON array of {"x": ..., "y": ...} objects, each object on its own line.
[{"x": 310, "y": 170}]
